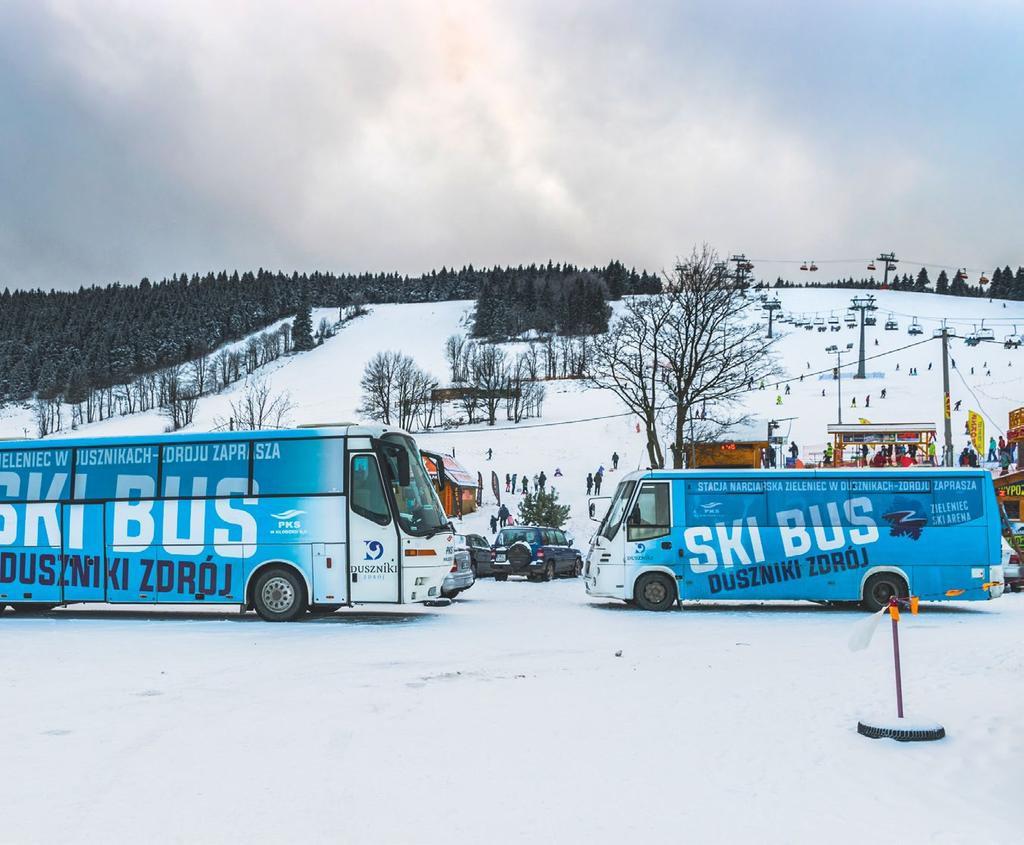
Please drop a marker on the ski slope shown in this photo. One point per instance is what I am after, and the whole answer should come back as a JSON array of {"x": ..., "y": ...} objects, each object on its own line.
[{"x": 527, "y": 712}]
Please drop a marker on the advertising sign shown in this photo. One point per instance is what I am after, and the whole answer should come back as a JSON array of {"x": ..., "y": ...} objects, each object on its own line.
[{"x": 976, "y": 429}]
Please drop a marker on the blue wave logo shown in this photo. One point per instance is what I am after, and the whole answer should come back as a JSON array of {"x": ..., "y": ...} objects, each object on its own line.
[
  {"x": 374, "y": 550},
  {"x": 640, "y": 548},
  {"x": 286, "y": 515}
]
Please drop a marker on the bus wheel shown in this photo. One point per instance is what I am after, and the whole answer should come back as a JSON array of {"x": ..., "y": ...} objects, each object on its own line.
[
  {"x": 279, "y": 596},
  {"x": 881, "y": 587},
  {"x": 654, "y": 591}
]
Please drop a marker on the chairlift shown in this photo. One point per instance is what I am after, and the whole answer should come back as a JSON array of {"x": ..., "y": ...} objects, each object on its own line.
[
  {"x": 803, "y": 266},
  {"x": 983, "y": 280},
  {"x": 871, "y": 266},
  {"x": 973, "y": 337},
  {"x": 851, "y": 319},
  {"x": 891, "y": 325},
  {"x": 833, "y": 323},
  {"x": 890, "y": 266},
  {"x": 813, "y": 267},
  {"x": 985, "y": 333},
  {"x": 870, "y": 320},
  {"x": 915, "y": 328},
  {"x": 1012, "y": 341}
]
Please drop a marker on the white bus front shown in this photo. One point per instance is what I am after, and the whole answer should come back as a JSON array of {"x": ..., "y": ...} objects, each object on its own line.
[{"x": 605, "y": 571}]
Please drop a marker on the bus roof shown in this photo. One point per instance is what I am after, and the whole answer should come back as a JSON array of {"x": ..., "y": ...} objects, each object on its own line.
[
  {"x": 782, "y": 474},
  {"x": 345, "y": 430}
]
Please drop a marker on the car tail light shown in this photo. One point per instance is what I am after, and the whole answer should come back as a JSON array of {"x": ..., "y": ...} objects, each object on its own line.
[
  {"x": 494, "y": 554},
  {"x": 540, "y": 552},
  {"x": 1015, "y": 559},
  {"x": 455, "y": 568}
]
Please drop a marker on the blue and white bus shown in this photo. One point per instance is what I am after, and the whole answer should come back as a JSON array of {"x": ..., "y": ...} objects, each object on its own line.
[
  {"x": 821, "y": 535},
  {"x": 281, "y": 522}
]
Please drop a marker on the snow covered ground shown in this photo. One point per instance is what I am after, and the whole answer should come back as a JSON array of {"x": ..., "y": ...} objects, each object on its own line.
[{"x": 507, "y": 717}]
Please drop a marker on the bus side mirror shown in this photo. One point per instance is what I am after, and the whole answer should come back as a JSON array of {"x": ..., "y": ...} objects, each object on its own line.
[{"x": 403, "y": 468}]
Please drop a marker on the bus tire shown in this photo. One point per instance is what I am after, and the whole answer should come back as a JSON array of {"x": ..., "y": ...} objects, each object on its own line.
[
  {"x": 323, "y": 609},
  {"x": 655, "y": 591},
  {"x": 279, "y": 595},
  {"x": 880, "y": 587}
]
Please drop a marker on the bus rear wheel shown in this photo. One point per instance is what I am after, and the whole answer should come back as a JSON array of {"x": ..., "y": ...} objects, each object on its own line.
[
  {"x": 881, "y": 587},
  {"x": 279, "y": 596},
  {"x": 654, "y": 591}
]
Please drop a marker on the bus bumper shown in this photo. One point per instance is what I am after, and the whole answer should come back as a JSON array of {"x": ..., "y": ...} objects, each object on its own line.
[
  {"x": 605, "y": 580},
  {"x": 999, "y": 583}
]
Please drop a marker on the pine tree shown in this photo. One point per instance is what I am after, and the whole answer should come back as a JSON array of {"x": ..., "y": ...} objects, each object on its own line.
[
  {"x": 541, "y": 507},
  {"x": 302, "y": 328},
  {"x": 942, "y": 283},
  {"x": 922, "y": 281}
]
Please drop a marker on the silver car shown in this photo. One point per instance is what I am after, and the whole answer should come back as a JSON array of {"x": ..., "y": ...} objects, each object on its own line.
[{"x": 461, "y": 575}]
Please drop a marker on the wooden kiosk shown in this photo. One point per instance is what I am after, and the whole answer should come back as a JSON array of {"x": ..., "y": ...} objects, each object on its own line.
[{"x": 874, "y": 435}]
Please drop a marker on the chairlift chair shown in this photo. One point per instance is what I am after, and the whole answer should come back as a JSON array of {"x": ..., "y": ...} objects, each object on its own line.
[
  {"x": 891, "y": 325},
  {"x": 915, "y": 328},
  {"x": 870, "y": 320},
  {"x": 1012, "y": 341},
  {"x": 803, "y": 266},
  {"x": 851, "y": 319},
  {"x": 833, "y": 323},
  {"x": 986, "y": 333},
  {"x": 871, "y": 266},
  {"x": 813, "y": 267}
]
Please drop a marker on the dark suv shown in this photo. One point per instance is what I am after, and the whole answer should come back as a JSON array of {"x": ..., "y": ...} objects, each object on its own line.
[
  {"x": 480, "y": 552},
  {"x": 540, "y": 554}
]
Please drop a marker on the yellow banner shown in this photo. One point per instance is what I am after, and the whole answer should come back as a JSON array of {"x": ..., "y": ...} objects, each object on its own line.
[{"x": 976, "y": 428}]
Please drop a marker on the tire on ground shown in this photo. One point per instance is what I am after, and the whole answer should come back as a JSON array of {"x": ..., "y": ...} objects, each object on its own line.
[
  {"x": 655, "y": 591},
  {"x": 279, "y": 595},
  {"x": 31, "y": 607},
  {"x": 880, "y": 587},
  {"x": 501, "y": 577}
]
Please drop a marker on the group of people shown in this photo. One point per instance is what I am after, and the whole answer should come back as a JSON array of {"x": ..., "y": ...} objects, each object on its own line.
[
  {"x": 594, "y": 479},
  {"x": 514, "y": 481},
  {"x": 999, "y": 451}
]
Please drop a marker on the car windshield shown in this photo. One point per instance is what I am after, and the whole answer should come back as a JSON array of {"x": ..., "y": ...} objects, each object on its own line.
[
  {"x": 419, "y": 509},
  {"x": 610, "y": 524},
  {"x": 514, "y": 535}
]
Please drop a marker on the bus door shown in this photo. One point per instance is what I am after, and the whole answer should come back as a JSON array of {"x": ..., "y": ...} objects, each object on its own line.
[
  {"x": 83, "y": 564},
  {"x": 373, "y": 547},
  {"x": 330, "y": 583}
]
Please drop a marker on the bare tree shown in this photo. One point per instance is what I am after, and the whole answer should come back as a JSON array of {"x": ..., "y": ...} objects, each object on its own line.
[
  {"x": 395, "y": 390},
  {"x": 178, "y": 397},
  {"x": 711, "y": 349},
  {"x": 200, "y": 373},
  {"x": 260, "y": 408},
  {"x": 454, "y": 353},
  {"x": 627, "y": 362},
  {"x": 490, "y": 378}
]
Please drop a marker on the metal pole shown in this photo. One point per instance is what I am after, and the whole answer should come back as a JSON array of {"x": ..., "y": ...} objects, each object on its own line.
[
  {"x": 896, "y": 658},
  {"x": 860, "y": 363},
  {"x": 771, "y": 312},
  {"x": 947, "y": 422},
  {"x": 839, "y": 378}
]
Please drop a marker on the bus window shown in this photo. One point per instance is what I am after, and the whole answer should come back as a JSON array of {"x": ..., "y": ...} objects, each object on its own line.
[
  {"x": 419, "y": 509},
  {"x": 367, "y": 494},
  {"x": 115, "y": 472},
  {"x": 650, "y": 515},
  {"x": 297, "y": 467},
  {"x": 724, "y": 501},
  {"x": 609, "y": 526},
  {"x": 197, "y": 469}
]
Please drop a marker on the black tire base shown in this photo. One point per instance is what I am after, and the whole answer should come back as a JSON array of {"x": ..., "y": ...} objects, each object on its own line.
[{"x": 901, "y": 734}]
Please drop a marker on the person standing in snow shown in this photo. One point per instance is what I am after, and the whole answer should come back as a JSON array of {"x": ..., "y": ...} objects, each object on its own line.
[
  {"x": 778, "y": 398},
  {"x": 867, "y": 401},
  {"x": 853, "y": 402},
  {"x": 590, "y": 482},
  {"x": 882, "y": 393},
  {"x": 931, "y": 453},
  {"x": 525, "y": 484},
  {"x": 598, "y": 476},
  {"x": 991, "y": 457},
  {"x": 494, "y": 524},
  {"x": 956, "y": 407},
  {"x": 615, "y": 460},
  {"x": 508, "y": 483},
  {"x": 794, "y": 451},
  {"x": 503, "y": 515},
  {"x": 489, "y": 453},
  {"x": 828, "y": 455},
  {"x": 542, "y": 479},
  {"x": 515, "y": 477}
]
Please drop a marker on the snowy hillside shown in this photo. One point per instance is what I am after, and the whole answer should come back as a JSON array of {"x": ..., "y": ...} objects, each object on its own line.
[{"x": 324, "y": 386}]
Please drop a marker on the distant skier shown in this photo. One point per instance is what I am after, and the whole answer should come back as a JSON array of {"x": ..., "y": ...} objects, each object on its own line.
[
  {"x": 853, "y": 403},
  {"x": 823, "y": 391},
  {"x": 489, "y": 453},
  {"x": 956, "y": 407},
  {"x": 778, "y": 399},
  {"x": 882, "y": 394},
  {"x": 615, "y": 460},
  {"x": 867, "y": 401},
  {"x": 590, "y": 482}
]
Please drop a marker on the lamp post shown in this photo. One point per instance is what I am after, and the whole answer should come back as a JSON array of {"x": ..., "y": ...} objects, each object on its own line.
[{"x": 838, "y": 371}]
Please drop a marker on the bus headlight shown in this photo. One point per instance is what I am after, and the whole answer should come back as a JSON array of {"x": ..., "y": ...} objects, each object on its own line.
[{"x": 421, "y": 581}]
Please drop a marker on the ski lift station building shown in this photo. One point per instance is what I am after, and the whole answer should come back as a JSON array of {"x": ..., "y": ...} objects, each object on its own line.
[{"x": 874, "y": 435}]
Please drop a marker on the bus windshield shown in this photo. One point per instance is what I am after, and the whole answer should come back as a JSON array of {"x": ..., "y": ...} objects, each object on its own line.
[
  {"x": 419, "y": 510},
  {"x": 610, "y": 524}
]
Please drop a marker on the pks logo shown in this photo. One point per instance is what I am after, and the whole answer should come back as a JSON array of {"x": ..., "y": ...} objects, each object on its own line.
[
  {"x": 710, "y": 509},
  {"x": 639, "y": 548},
  {"x": 374, "y": 550},
  {"x": 287, "y": 520}
]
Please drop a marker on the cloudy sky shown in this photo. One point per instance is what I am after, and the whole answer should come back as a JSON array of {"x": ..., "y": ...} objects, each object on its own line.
[{"x": 144, "y": 138}]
